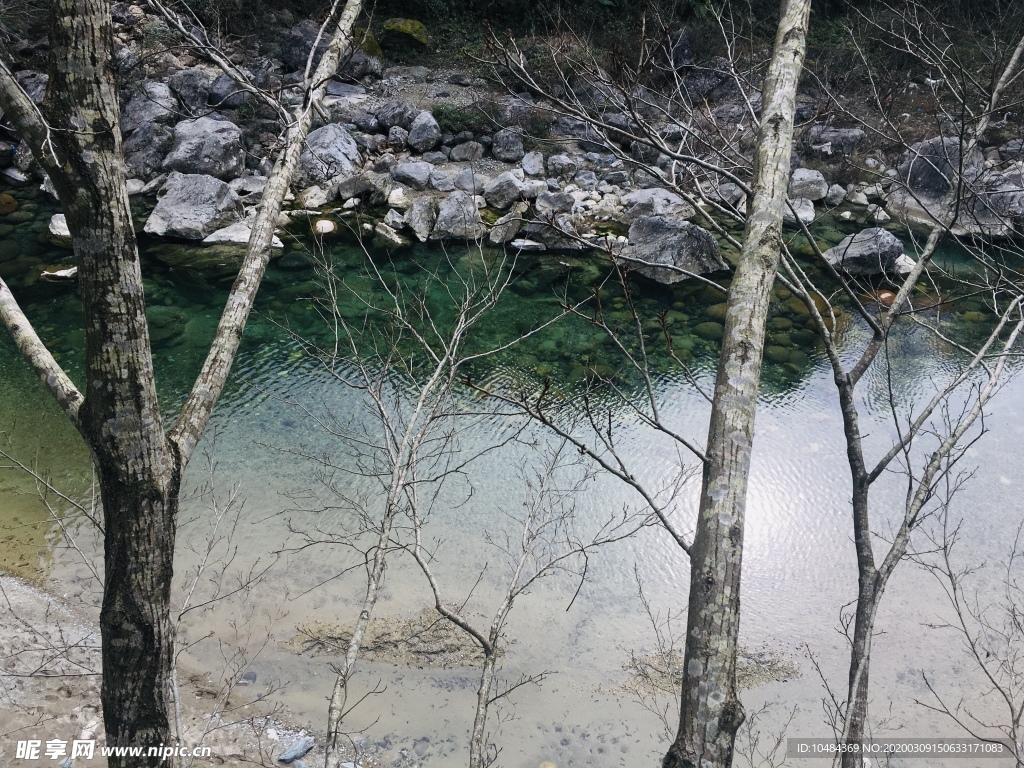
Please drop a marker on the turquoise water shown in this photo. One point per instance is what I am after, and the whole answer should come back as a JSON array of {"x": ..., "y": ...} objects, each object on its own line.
[{"x": 799, "y": 561}]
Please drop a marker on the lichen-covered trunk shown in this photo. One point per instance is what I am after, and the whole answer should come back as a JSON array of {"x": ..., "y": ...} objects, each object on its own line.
[
  {"x": 120, "y": 416},
  {"x": 135, "y": 619},
  {"x": 710, "y": 711}
]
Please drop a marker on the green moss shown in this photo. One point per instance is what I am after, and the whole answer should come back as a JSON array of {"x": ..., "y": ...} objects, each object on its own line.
[
  {"x": 402, "y": 32},
  {"x": 709, "y": 331},
  {"x": 368, "y": 43}
]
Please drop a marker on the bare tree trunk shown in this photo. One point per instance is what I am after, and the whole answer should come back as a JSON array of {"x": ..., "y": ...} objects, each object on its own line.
[
  {"x": 710, "y": 712},
  {"x": 120, "y": 416}
]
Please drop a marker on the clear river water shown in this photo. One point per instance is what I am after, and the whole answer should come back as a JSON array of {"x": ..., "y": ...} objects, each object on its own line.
[{"x": 799, "y": 566}]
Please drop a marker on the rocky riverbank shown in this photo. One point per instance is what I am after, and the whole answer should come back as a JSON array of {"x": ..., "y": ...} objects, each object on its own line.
[{"x": 393, "y": 147}]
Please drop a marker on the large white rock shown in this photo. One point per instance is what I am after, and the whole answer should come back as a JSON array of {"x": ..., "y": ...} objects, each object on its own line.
[
  {"x": 208, "y": 146},
  {"x": 807, "y": 183},
  {"x": 330, "y": 152},
  {"x": 193, "y": 206},
  {"x": 58, "y": 232}
]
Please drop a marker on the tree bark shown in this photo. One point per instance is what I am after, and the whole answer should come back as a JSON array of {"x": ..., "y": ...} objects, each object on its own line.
[
  {"x": 710, "y": 711},
  {"x": 120, "y": 416}
]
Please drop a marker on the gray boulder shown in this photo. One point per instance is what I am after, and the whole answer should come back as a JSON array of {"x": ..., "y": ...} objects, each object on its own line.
[
  {"x": 193, "y": 206},
  {"x": 366, "y": 122},
  {"x": 665, "y": 243},
  {"x": 298, "y": 41},
  {"x": 533, "y": 164},
  {"x": 471, "y": 181},
  {"x": 249, "y": 188},
  {"x": 805, "y": 182},
  {"x": 869, "y": 252},
  {"x": 562, "y": 165},
  {"x": 145, "y": 149},
  {"x": 413, "y": 175},
  {"x": 421, "y": 217},
  {"x": 441, "y": 181},
  {"x": 237, "y": 234},
  {"x": 458, "y": 219},
  {"x": 192, "y": 87},
  {"x": 400, "y": 113},
  {"x": 804, "y": 211},
  {"x": 507, "y": 146},
  {"x": 330, "y": 152},
  {"x": 503, "y": 190},
  {"x": 586, "y": 180},
  {"x": 34, "y": 84},
  {"x": 655, "y": 202},
  {"x": 924, "y": 175},
  {"x": 398, "y": 137},
  {"x": 507, "y": 227},
  {"x": 826, "y": 140},
  {"x": 836, "y": 195},
  {"x": 467, "y": 151},
  {"x": 424, "y": 133},
  {"x": 929, "y": 167},
  {"x": 207, "y": 146},
  {"x": 226, "y": 93},
  {"x": 554, "y": 202},
  {"x": 153, "y": 103}
]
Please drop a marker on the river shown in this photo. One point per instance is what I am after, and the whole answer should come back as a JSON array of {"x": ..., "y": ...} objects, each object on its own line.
[{"x": 799, "y": 568}]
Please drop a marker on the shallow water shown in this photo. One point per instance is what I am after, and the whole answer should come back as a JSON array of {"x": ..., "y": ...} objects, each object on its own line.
[{"x": 799, "y": 562}]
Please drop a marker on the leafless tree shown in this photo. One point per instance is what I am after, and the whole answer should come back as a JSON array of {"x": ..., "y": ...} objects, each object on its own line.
[
  {"x": 711, "y": 712},
  {"x": 408, "y": 360},
  {"x": 987, "y": 620},
  {"x": 932, "y": 438},
  {"x": 541, "y": 540},
  {"x": 74, "y": 136}
]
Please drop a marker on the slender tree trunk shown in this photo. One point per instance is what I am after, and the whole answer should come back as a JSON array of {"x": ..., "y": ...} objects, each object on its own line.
[
  {"x": 860, "y": 664},
  {"x": 478, "y": 739},
  {"x": 710, "y": 712}
]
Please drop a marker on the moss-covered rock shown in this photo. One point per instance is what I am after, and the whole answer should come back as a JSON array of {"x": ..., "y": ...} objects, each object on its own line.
[
  {"x": 402, "y": 33},
  {"x": 709, "y": 331},
  {"x": 777, "y": 355},
  {"x": 368, "y": 43},
  {"x": 717, "y": 311},
  {"x": 7, "y": 204}
]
